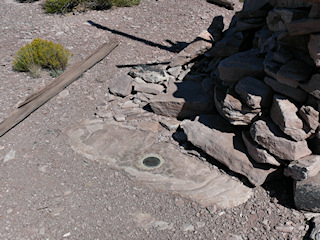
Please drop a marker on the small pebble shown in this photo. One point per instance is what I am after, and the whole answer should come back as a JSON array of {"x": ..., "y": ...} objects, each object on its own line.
[
  {"x": 11, "y": 155},
  {"x": 66, "y": 235}
]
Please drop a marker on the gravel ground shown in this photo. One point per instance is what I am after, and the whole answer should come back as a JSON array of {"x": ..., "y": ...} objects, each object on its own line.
[{"x": 48, "y": 191}]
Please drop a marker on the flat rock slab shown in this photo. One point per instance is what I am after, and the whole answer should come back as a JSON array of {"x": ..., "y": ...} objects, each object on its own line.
[
  {"x": 182, "y": 100},
  {"x": 226, "y": 147},
  {"x": 199, "y": 46},
  {"x": 124, "y": 148},
  {"x": 122, "y": 87},
  {"x": 307, "y": 194},
  {"x": 257, "y": 153},
  {"x": 240, "y": 65},
  {"x": 294, "y": 93},
  {"x": 269, "y": 136}
]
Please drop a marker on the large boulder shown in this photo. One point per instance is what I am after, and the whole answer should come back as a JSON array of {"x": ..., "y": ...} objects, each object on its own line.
[
  {"x": 226, "y": 147},
  {"x": 269, "y": 136}
]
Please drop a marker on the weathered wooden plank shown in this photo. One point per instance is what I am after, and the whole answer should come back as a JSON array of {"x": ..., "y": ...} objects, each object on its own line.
[{"x": 37, "y": 99}]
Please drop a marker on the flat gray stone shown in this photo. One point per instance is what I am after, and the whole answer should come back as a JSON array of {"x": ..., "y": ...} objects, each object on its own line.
[
  {"x": 226, "y": 147},
  {"x": 240, "y": 65},
  {"x": 231, "y": 108},
  {"x": 183, "y": 100},
  {"x": 314, "y": 48},
  {"x": 257, "y": 153},
  {"x": 293, "y": 72},
  {"x": 122, "y": 87},
  {"x": 307, "y": 194},
  {"x": 313, "y": 86},
  {"x": 254, "y": 92},
  {"x": 148, "y": 73},
  {"x": 123, "y": 148},
  {"x": 284, "y": 114},
  {"x": 295, "y": 93},
  {"x": 269, "y": 136},
  {"x": 303, "y": 168}
]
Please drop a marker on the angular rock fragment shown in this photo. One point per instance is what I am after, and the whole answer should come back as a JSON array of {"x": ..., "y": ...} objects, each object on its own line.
[
  {"x": 148, "y": 73},
  {"x": 254, "y": 92},
  {"x": 269, "y": 136},
  {"x": 200, "y": 45},
  {"x": 231, "y": 108},
  {"x": 279, "y": 18},
  {"x": 122, "y": 87},
  {"x": 304, "y": 26},
  {"x": 293, "y": 72},
  {"x": 314, "y": 48},
  {"x": 175, "y": 71},
  {"x": 307, "y": 194},
  {"x": 257, "y": 153},
  {"x": 312, "y": 86},
  {"x": 240, "y": 65},
  {"x": 284, "y": 114},
  {"x": 226, "y": 147},
  {"x": 294, "y": 93},
  {"x": 150, "y": 88},
  {"x": 310, "y": 116},
  {"x": 182, "y": 100},
  {"x": 303, "y": 168}
]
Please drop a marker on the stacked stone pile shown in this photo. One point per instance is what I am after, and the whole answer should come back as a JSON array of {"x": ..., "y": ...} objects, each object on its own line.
[{"x": 255, "y": 89}]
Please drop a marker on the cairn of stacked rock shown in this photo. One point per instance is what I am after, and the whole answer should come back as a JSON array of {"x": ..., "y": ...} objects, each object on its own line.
[{"x": 255, "y": 89}]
